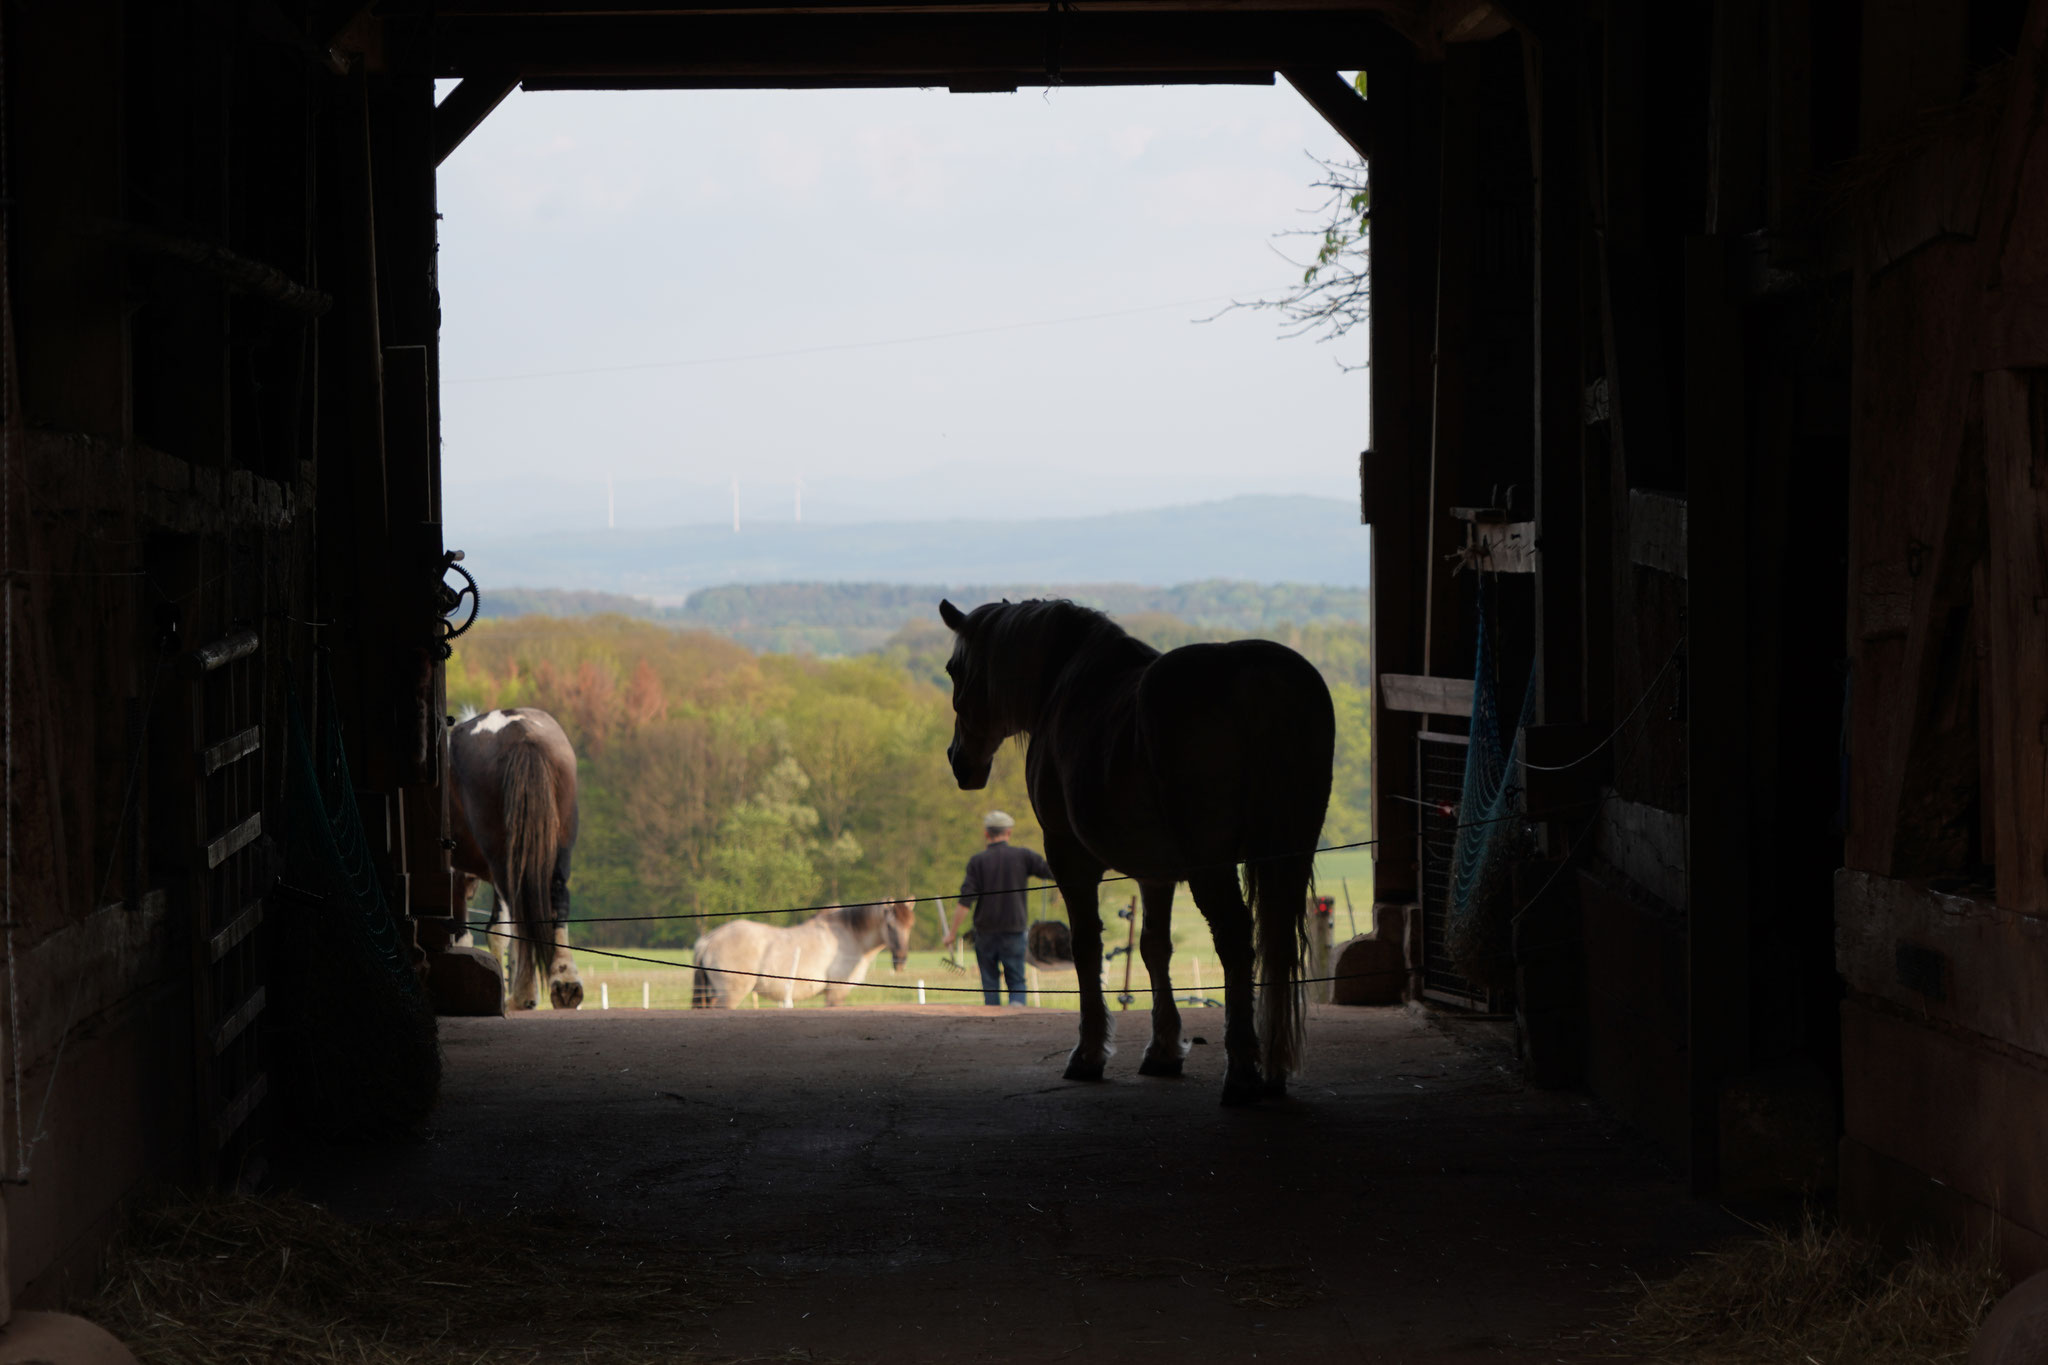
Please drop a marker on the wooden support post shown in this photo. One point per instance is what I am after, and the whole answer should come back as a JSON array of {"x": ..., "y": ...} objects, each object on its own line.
[
  {"x": 1403, "y": 334},
  {"x": 1451, "y": 354},
  {"x": 2016, "y": 574},
  {"x": 1560, "y": 426},
  {"x": 1718, "y": 731}
]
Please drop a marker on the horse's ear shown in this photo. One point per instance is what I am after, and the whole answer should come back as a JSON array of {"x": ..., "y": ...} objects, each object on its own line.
[{"x": 951, "y": 615}]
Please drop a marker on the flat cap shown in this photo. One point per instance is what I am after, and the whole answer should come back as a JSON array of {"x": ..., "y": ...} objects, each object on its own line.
[{"x": 997, "y": 819}]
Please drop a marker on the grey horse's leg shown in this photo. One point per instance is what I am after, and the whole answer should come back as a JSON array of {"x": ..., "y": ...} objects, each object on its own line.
[
  {"x": 1230, "y": 923},
  {"x": 1155, "y": 941},
  {"x": 1079, "y": 887},
  {"x": 565, "y": 987}
]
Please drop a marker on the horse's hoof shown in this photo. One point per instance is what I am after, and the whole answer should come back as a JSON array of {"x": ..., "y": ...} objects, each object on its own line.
[
  {"x": 1078, "y": 1070},
  {"x": 1237, "y": 1095},
  {"x": 1242, "y": 1087},
  {"x": 1159, "y": 1066},
  {"x": 566, "y": 995}
]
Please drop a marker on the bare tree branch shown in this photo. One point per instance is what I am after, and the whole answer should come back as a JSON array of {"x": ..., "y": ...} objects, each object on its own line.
[{"x": 1332, "y": 297}]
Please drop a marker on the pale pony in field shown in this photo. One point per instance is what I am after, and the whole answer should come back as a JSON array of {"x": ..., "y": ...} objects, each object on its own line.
[{"x": 788, "y": 964}]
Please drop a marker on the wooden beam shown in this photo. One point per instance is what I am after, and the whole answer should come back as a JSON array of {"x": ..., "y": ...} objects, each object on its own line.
[
  {"x": 1396, "y": 12},
  {"x": 1554, "y": 96},
  {"x": 1718, "y": 734},
  {"x": 964, "y": 82},
  {"x": 1451, "y": 350},
  {"x": 1422, "y": 695},
  {"x": 465, "y": 108},
  {"x": 2016, "y": 470},
  {"x": 869, "y": 47},
  {"x": 1403, "y": 241},
  {"x": 1340, "y": 104}
]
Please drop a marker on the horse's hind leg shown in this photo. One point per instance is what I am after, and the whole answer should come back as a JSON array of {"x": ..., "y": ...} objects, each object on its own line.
[
  {"x": 565, "y": 987},
  {"x": 1163, "y": 1057},
  {"x": 525, "y": 978},
  {"x": 1230, "y": 924}
]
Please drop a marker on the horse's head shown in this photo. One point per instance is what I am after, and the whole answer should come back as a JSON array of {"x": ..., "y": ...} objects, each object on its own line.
[
  {"x": 977, "y": 731},
  {"x": 898, "y": 919}
]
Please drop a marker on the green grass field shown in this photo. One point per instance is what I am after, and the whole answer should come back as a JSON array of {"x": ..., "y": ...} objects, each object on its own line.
[{"x": 660, "y": 977}]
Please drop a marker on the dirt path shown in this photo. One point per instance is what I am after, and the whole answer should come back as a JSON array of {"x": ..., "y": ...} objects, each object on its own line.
[{"x": 918, "y": 1185}]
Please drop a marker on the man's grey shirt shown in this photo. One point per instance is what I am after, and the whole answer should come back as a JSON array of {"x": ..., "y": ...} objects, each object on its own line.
[{"x": 994, "y": 886}]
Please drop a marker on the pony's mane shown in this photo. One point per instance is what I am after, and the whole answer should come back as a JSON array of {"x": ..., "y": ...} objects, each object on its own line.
[{"x": 860, "y": 918}]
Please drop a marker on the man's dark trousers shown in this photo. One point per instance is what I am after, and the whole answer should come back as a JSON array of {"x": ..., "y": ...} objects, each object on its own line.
[{"x": 1000, "y": 955}]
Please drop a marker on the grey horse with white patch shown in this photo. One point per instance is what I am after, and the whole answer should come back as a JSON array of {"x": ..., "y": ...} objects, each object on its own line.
[{"x": 513, "y": 814}]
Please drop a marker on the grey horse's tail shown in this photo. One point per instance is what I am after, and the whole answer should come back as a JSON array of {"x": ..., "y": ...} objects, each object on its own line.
[
  {"x": 702, "y": 995},
  {"x": 533, "y": 835},
  {"x": 1278, "y": 889}
]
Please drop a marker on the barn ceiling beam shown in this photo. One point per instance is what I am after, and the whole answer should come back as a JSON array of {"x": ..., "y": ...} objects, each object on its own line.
[
  {"x": 1340, "y": 104},
  {"x": 915, "y": 49},
  {"x": 1403, "y": 13},
  {"x": 465, "y": 107},
  {"x": 958, "y": 82}
]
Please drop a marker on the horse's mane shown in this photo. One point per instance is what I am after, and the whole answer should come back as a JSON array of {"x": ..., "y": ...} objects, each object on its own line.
[
  {"x": 1044, "y": 629},
  {"x": 860, "y": 919}
]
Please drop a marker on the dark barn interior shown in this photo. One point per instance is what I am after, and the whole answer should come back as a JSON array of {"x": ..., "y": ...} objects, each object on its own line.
[{"x": 1709, "y": 356}]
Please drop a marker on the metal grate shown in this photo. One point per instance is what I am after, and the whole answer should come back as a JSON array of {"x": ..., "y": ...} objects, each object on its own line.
[{"x": 1440, "y": 773}]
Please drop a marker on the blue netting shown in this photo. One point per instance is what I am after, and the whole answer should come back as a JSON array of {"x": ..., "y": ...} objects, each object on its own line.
[{"x": 1479, "y": 929}]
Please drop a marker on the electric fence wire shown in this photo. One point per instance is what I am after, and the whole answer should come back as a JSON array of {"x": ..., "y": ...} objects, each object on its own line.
[
  {"x": 868, "y": 985},
  {"x": 941, "y": 899}
]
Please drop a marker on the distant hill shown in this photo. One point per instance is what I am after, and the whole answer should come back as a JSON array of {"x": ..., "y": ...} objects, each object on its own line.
[
  {"x": 1248, "y": 539},
  {"x": 850, "y": 618}
]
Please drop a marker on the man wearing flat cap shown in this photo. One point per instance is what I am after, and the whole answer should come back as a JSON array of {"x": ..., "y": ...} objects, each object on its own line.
[{"x": 993, "y": 892}]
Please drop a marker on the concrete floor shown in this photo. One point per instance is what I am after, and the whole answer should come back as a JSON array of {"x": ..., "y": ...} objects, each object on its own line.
[{"x": 919, "y": 1185}]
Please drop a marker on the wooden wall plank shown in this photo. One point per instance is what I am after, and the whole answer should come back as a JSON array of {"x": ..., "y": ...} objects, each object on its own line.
[
  {"x": 1942, "y": 1102},
  {"x": 2016, "y": 577},
  {"x": 1986, "y": 965}
]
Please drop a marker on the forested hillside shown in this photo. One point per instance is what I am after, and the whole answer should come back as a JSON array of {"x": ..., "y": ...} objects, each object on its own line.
[
  {"x": 718, "y": 779},
  {"x": 852, "y": 618}
]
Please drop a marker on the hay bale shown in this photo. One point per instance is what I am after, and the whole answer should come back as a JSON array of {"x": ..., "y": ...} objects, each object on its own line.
[
  {"x": 1372, "y": 969},
  {"x": 466, "y": 981},
  {"x": 2016, "y": 1333},
  {"x": 231, "y": 1280},
  {"x": 1812, "y": 1294},
  {"x": 1049, "y": 946}
]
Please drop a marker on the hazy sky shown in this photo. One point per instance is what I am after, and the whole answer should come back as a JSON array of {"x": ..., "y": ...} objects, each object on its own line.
[{"x": 600, "y": 231}]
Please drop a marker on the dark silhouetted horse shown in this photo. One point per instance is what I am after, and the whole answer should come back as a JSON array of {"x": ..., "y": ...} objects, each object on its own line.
[
  {"x": 514, "y": 817},
  {"x": 1166, "y": 767}
]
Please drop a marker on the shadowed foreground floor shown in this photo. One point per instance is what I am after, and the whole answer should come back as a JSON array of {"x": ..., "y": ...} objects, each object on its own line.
[{"x": 918, "y": 1185}]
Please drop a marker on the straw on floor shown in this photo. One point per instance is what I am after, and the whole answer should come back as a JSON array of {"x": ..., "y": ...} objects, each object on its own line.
[
  {"x": 222, "y": 1280},
  {"x": 1810, "y": 1295}
]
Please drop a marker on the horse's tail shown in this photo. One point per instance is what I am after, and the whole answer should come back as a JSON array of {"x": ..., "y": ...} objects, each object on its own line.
[
  {"x": 1278, "y": 889},
  {"x": 533, "y": 836},
  {"x": 702, "y": 994},
  {"x": 1288, "y": 822}
]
